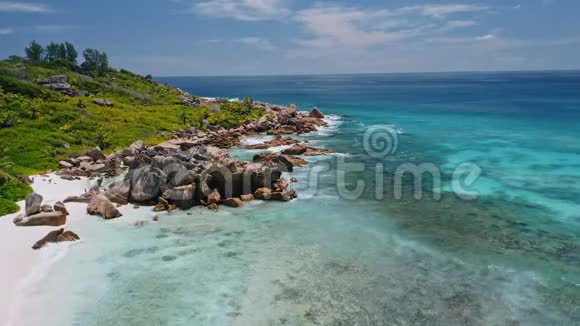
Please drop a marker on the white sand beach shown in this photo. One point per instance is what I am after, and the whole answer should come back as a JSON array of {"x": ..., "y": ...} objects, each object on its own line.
[{"x": 22, "y": 266}]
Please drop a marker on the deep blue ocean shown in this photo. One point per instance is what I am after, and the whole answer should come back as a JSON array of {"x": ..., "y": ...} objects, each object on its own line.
[{"x": 509, "y": 254}]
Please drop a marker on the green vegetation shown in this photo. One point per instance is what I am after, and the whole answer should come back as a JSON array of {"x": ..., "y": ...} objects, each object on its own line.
[
  {"x": 39, "y": 126},
  {"x": 11, "y": 189}
]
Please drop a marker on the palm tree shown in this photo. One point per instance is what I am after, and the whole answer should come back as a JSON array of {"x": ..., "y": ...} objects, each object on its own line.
[{"x": 5, "y": 163}]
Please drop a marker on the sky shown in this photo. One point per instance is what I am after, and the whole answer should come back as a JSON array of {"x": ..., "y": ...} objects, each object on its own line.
[{"x": 281, "y": 37}]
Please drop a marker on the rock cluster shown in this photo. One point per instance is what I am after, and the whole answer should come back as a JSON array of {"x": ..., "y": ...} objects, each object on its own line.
[
  {"x": 90, "y": 163},
  {"x": 59, "y": 83},
  {"x": 194, "y": 169},
  {"x": 37, "y": 214},
  {"x": 277, "y": 141}
]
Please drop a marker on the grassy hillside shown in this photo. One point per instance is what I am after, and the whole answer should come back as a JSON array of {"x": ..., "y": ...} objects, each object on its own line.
[{"x": 38, "y": 126}]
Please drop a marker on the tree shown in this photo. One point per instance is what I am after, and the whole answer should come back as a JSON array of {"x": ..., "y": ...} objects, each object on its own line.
[
  {"x": 71, "y": 52},
  {"x": 53, "y": 51},
  {"x": 61, "y": 51},
  {"x": 183, "y": 116},
  {"x": 34, "y": 52},
  {"x": 96, "y": 62}
]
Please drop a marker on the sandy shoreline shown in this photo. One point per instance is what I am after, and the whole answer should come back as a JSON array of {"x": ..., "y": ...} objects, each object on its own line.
[
  {"x": 22, "y": 266},
  {"x": 26, "y": 267}
]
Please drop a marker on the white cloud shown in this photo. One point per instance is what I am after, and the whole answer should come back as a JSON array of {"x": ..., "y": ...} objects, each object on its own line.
[
  {"x": 246, "y": 10},
  {"x": 460, "y": 23},
  {"x": 23, "y": 7},
  {"x": 52, "y": 28},
  {"x": 350, "y": 26},
  {"x": 486, "y": 37},
  {"x": 260, "y": 43},
  {"x": 441, "y": 11},
  {"x": 6, "y": 31},
  {"x": 463, "y": 40}
]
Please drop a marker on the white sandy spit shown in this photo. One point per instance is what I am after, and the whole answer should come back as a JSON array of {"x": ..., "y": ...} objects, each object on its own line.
[{"x": 23, "y": 267}]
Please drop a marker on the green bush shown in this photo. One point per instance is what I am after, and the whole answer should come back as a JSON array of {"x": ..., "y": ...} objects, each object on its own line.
[
  {"x": 8, "y": 207},
  {"x": 22, "y": 87},
  {"x": 14, "y": 190}
]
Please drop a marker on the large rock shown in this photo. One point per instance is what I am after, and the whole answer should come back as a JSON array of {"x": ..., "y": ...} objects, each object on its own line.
[
  {"x": 183, "y": 196},
  {"x": 33, "y": 204},
  {"x": 59, "y": 207},
  {"x": 233, "y": 202},
  {"x": 95, "y": 153},
  {"x": 101, "y": 102},
  {"x": 46, "y": 208},
  {"x": 59, "y": 235},
  {"x": 84, "y": 198},
  {"x": 289, "y": 162},
  {"x": 315, "y": 113},
  {"x": 295, "y": 150},
  {"x": 93, "y": 167},
  {"x": 65, "y": 165},
  {"x": 214, "y": 197},
  {"x": 101, "y": 205},
  {"x": 119, "y": 191},
  {"x": 285, "y": 195},
  {"x": 41, "y": 219},
  {"x": 247, "y": 197},
  {"x": 146, "y": 184},
  {"x": 162, "y": 205},
  {"x": 133, "y": 149},
  {"x": 263, "y": 193}
]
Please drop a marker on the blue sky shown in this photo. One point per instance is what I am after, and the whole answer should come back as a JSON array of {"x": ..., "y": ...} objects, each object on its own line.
[{"x": 255, "y": 37}]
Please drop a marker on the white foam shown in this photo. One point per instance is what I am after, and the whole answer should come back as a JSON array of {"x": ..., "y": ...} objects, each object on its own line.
[{"x": 333, "y": 123}]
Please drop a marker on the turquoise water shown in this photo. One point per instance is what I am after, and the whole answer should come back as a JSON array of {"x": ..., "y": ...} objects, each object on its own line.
[{"x": 510, "y": 256}]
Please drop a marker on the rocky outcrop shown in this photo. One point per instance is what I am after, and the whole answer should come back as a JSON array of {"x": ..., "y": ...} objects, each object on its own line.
[
  {"x": 194, "y": 168},
  {"x": 277, "y": 141},
  {"x": 288, "y": 162},
  {"x": 56, "y": 236},
  {"x": 102, "y": 206},
  {"x": 59, "y": 83},
  {"x": 37, "y": 214},
  {"x": 105, "y": 103}
]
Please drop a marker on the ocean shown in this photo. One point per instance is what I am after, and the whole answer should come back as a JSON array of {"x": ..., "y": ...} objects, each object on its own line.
[{"x": 489, "y": 235}]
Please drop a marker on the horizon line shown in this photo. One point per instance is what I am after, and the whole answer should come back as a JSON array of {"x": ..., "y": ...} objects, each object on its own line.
[{"x": 382, "y": 73}]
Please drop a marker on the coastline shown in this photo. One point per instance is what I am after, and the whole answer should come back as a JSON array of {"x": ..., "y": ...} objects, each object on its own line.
[{"x": 32, "y": 266}]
